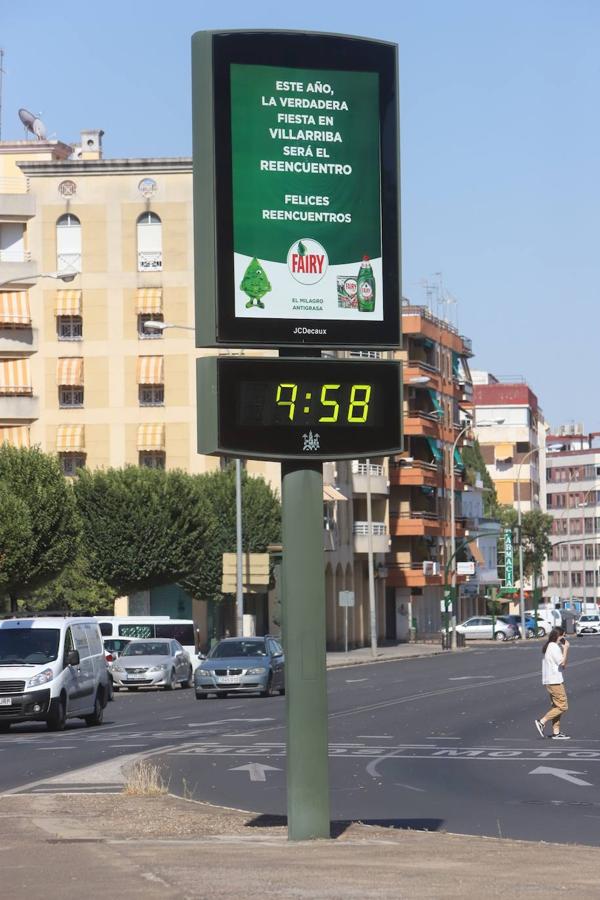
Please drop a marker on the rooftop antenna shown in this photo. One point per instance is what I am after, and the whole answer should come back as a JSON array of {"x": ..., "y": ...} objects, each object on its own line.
[{"x": 33, "y": 124}]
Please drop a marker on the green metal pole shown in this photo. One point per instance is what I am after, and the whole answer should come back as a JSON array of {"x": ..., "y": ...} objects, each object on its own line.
[{"x": 304, "y": 629}]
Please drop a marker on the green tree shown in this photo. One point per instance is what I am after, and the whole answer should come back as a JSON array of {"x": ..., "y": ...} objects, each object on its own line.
[
  {"x": 473, "y": 460},
  {"x": 536, "y": 528},
  {"x": 142, "y": 527},
  {"x": 39, "y": 525},
  {"x": 261, "y": 526},
  {"x": 75, "y": 591}
]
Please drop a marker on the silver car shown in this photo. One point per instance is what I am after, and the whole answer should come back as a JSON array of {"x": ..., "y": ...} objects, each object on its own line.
[
  {"x": 242, "y": 666},
  {"x": 152, "y": 663}
]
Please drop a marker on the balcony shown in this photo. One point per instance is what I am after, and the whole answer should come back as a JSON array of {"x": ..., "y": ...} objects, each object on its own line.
[
  {"x": 380, "y": 539},
  {"x": 14, "y": 203},
  {"x": 149, "y": 261},
  {"x": 420, "y": 423},
  {"x": 19, "y": 408},
  {"x": 422, "y": 523},
  {"x": 416, "y": 473},
  {"x": 411, "y": 575},
  {"x": 17, "y": 265},
  {"x": 18, "y": 340},
  {"x": 379, "y": 482}
]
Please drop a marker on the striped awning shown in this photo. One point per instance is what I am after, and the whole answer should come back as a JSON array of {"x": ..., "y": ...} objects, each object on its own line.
[
  {"x": 150, "y": 370},
  {"x": 15, "y": 376},
  {"x": 331, "y": 493},
  {"x": 70, "y": 438},
  {"x": 67, "y": 303},
  {"x": 69, "y": 371},
  {"x": 14, "y": 308},
  {"x": 149, "y": 300},
  {"x": 504, "y": 452},
  {"x": 151, "y": 437},
  {"x": 15, "y": 435}
]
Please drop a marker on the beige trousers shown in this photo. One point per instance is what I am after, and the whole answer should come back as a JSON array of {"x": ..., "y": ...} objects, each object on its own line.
[{"x": 558, "y": 695}]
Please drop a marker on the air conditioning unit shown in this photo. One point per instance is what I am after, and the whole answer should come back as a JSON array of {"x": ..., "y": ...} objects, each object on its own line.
[{"x": 430, "y": 567}]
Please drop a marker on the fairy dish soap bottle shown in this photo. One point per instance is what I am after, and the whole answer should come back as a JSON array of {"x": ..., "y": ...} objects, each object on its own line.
[{"x": 365, "y": 287}]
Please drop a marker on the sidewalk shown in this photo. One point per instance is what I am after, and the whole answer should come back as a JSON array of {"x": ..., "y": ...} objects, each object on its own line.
[
  {"x": 364, "y": 655},
  {"x": 95, "y": 846}
]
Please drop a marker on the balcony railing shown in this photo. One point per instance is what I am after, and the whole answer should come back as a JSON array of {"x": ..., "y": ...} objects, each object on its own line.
[
  {"x": 14, "y": 185},
  {"x": 362, "y": 528},
  {"x": 361, "y": 468},
  {"x": 419, "y": 364},
  {"x": 149, "y": 262},
  {"x": 429, "y": 415},
  {"x": 415, "y": 464},
  {"x": 68, "y": 263},
  {"x": 415, "y": 514},
  {"x": 10, "y": 255}
]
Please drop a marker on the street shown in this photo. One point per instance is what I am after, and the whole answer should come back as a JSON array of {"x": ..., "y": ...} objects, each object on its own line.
[{"x": 445, "y": 743}]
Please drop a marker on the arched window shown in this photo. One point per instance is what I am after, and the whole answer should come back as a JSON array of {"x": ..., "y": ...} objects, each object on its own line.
[
  {"x": 68, "y": 244},
  {"x": 149, "y": 242}
]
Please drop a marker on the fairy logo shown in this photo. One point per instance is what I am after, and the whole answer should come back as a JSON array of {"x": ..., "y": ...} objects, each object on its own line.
[{"x": 307, "y": 261}]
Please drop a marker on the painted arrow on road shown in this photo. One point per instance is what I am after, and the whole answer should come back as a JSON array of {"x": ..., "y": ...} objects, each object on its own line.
[
  {"x": 565, "y": 774},
  {"x": 256, "y": 771}
]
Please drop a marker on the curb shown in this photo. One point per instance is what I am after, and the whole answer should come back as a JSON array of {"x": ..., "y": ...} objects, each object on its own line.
[{"x": 343, "y": 664}]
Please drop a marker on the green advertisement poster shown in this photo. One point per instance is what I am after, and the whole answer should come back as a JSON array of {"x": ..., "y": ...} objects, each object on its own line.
[{"x": 306, "y": 193}]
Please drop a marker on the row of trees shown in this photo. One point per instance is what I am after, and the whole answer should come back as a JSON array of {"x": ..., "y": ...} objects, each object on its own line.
[{"x": 79, "y": 545}]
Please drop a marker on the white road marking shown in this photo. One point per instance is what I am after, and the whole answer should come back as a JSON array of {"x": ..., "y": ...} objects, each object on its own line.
[
  {"x": 469, "y": 677},
  {"x": 226, "y": 722},
  {"x": 378, "y": 737},
  {"x": 564, "y": 774},
  {"x": 355, "y": 680},
  {"x": 409, "y": 787},
  {"x": 169, "y": 718},
  {"x": 256, "y": 771}
]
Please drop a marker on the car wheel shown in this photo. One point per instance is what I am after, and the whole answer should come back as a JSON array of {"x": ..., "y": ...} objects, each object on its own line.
[
  {"x": 530, "y": 633},
  {"x": 97, "y": 717},
  {"x": 188, "y": 682},
  {"x": 172, "y": 682},
  {"x": 282, "y": 692},
  {"x": 541, "y": 632},
  {"x": 57, "y": 719},
  {"x": 4, "y": 727},
  {"x": 499, "y": 636},
  {"x": 268, "y": 691}
]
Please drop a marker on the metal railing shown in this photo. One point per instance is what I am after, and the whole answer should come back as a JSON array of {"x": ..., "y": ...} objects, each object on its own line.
[
  {"x": 15, "y": 256},
  {"x": 361, "y": 468},
  {"x": 68, "y": 262},
  {"x": 362, "y": 528},
  {"x": 14, "y": 185},
  {"x": 149, "y": 261},
  {"x": 420, "y": 364}
]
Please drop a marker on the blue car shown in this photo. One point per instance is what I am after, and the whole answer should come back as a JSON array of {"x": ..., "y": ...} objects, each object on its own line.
[
  {"x": 530, "y": 626},
  {"x": 253, "y": 665}
]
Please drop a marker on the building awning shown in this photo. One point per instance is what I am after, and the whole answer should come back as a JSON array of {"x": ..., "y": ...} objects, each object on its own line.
[
  {"x": 435, "y": 399},
  {"x": 150, "y": 370},
  {"x": 458, "y": 460},
  {"x": 331, "y": 493},
  {"x": 67, "y": 303},
  {"x": 433, "y": 446},
  {"x": 455, "y": 363},
  {"x": 70, "y": 438},
  {"x": 148, "y": 301},
  {"x": 14, "y": 308},
  {"x": 504, "y": 452},
  {"x": 15, "y": 376},
  {"x": 151, "y": 437},
  {"x": 15, "y": 435},
  {"x": 476, "y": 553},
  {"x": 69, "y": 371}
]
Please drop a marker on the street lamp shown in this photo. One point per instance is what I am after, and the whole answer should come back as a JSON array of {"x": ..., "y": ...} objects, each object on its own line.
[
  {"x": 467, "y": 427},
  {"x": 156, "y": 325},
  {"x": 59, "y": 276}
]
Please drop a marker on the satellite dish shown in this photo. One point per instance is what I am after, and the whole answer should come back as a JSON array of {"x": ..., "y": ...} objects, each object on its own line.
[{"x": 33, "y": 124}]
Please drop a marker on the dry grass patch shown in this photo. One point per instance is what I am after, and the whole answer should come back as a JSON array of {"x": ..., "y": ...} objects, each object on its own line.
[{"x": 145, "y": 780}]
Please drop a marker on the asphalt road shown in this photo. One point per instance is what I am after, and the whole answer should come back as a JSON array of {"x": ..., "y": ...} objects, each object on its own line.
[{"x": 446, "y": 743}]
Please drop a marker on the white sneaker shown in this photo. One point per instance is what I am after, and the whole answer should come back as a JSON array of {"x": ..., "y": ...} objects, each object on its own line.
[
  {"x": 560, "y": 737},
  {"x": 540, "y": 727}
]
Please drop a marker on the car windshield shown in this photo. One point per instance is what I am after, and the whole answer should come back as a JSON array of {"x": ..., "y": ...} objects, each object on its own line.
[
  {"x": 146, "y": 648},
  {"x": 28, "y": 646},
  {"x": 238, "y": 648},
  {"x": 588, "y": 619}
]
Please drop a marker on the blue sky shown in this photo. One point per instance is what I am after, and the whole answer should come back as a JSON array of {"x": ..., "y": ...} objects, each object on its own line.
[{"x": 500, "y": 146}]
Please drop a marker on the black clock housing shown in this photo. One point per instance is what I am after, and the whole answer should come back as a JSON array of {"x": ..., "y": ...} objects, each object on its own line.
[{"x": 296, "y": 408}]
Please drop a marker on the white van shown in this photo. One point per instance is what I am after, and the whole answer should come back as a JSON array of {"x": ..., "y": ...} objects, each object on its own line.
[
  {"x": 547, "y": 619},
  {"x": 181, "y": 630},
  {"x": 52, "y": 669}
]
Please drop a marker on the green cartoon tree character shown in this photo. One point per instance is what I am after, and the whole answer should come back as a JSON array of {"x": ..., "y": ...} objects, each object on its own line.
[{"x": 255, "y": 283}]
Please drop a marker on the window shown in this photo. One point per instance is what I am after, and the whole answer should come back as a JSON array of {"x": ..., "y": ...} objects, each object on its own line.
[
  {"x": 589, "y": 551},
  {"x": 70, "y": 462},
  {"x": 576, "y": 579},
  {"x": 152, "y": 459},
  {"x": 70, "y": 396},
  {"x": 69, "y": 328},
  {"x": 150, "y": 333},
  {"x": 68, "y": 244},
  {"x": 523, "y": 446},
  {"x": 149, "y": 242},
  {"x": 12, "y": 247},
  {"x": 152, "y": 394}
]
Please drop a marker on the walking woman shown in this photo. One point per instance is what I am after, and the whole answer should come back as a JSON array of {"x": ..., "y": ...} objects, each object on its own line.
[{"x": 554, "y": 660}]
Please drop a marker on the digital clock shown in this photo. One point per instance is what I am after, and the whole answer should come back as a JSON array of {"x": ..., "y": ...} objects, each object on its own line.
[{"x": 291, "y": 408}]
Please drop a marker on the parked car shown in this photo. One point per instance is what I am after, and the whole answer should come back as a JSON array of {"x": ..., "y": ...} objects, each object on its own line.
[
  {"x": 546, "y": 619},
  {"x": 152, "y": 663},
  {"x": 587, "y": 623},
  {"x": 242, "y": 666},
  {"x": 52, "y": 669},
  {"x": 113, "y": 647},
  {"x": 530, "y": 626},
  {"x": 481, "y": 627}
]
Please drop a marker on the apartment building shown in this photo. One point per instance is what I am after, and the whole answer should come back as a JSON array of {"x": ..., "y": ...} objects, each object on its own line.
[
  {"x": 511, "y": 431},
  {"x": 573, "y": 501},
  {"x": 437, "y": 384}
]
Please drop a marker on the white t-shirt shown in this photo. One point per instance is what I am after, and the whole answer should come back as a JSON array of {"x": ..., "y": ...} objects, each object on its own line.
[{"x": 551, "y": 673}]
